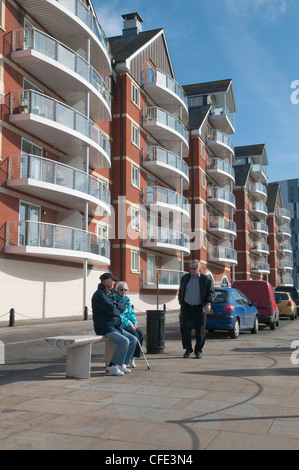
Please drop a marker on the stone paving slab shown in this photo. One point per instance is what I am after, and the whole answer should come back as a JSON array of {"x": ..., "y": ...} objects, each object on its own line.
[{"x": 243, "y": 394}]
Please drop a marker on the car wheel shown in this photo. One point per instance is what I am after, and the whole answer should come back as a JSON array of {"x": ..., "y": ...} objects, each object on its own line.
[
  {"x": 234, "y": 333},
  {"x": 292, "y": 317},
  {"x": 255, "y": 328}
]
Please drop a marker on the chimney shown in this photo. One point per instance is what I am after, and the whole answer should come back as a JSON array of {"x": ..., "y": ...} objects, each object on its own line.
[{"x": 132, "y": 24}]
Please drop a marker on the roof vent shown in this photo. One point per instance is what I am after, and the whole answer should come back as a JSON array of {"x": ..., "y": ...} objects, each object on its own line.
[{"x": 132, "y": 24}]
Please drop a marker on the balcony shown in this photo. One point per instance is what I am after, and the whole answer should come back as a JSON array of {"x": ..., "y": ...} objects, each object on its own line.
[
  {"x": 167, "y": 129},
  {"x": 171, "y": 168},
  {"x": 56, "y": 242},
  {"x": 220, "y": 144},
  {"x": 284, "y": 231},
  {"x": 223, "y": 227},
  {"x": 286, "y": 281},
  {"x": 166, "y": 240},
  {"x": 285, "y": 265},
  {"x": 221, "y": 171},
  {"x": 260, "y": 248},
  {"x": 58, "y": 183},
  {"x": 258, "y": 209},
  {"x": 165, "y": 199},
  {"x": 221, "y": 199},
  {"x": 283, "y": 215},
  {"x": 72, "y": 23},
  {"x": 285, "y": 248},
  {"x": 168, "y": 279},
  {"x": 166, "y": 92},
  {"x": 222, "y": 119},
  {"x": 223, "y": 255},
  {"x": 62, "y": 70},
  {"x": 258, "y": 191},
  {"x": 60, "y": 126},
  {"x": 258, "y": 172},
  {"x": 261, "y": 268},
  {"x": 259, "y": 229}
]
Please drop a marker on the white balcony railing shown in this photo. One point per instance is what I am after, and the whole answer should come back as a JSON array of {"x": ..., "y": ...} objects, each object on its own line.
[
  {"x": 43, "y": 170},
  {"x": 166, "y": 197},
  {"x": 222, "y": 111},
  {"x": 161, "y": 155},
  {"x": 61, "y": 118},
  {"x": 223, "y": 254},
  {"x": 33, "y": 39},
  {"x": 43, "y": 238},
  {"x": 165, "y": 236},
  {"x": 222, "y": 224},
  {"x": 168, "y": 278}
]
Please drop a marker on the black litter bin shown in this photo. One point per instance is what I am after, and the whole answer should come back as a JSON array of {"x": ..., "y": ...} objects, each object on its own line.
[{"x": 155, "y": 331}]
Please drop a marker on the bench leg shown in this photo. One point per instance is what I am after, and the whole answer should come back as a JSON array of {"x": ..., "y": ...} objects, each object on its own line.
[
  {"x": 78, "y": 362},
  {"x": 109, "y": 350}
]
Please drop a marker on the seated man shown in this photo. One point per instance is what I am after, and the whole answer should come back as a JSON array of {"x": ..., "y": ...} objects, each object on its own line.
[{"x": 107, "y": 322}]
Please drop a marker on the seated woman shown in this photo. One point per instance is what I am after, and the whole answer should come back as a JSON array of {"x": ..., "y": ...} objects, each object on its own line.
[{"x": 128, "y": 318}]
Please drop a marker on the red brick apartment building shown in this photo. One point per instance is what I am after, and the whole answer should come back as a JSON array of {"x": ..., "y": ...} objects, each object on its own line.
[{"x": 107, "y": 163}]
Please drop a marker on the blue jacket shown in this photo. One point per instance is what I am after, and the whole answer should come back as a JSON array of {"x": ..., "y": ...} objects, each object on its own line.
[
  {"x": 128, "y": 317},
  {"x": 105, "y": 311}
]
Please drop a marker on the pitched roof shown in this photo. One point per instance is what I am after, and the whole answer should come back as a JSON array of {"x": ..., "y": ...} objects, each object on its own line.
[
  {"x": 241, "y": 173},
  {"x": 274, "y": 196},
  {"x": 197, "y": 115},
  {"x": 123, "y": 47},
  {"x": 207, "y": 87}
]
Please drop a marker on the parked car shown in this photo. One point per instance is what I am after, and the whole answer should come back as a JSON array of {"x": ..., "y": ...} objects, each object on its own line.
[
  {"x": 293, "y": 291},
  {"x": 262, "y": 293},
  {"x": 232, "y": 311},
  {"x": 286, "y": 305}
]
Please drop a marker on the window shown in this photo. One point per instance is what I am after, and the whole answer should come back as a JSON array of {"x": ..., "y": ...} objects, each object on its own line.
[
  {"x": 2, "y": 14},
  {"x": 135, "y": 176},
  {"x": 135, "y": 261},
  {"x": 203, "y": 153},
  {"x": 102, "y": 232},
  {"x": 135, "y": 135},
  {"x": 135, "y": 94},
  {"x": 203, "y": 180},
  {"x": 135, "y": 218}
]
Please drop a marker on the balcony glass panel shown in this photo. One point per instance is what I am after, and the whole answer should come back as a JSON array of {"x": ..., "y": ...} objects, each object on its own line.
[
  {"x": 77, "y": 8},
  {"x": 51, "y": 109},
  {"x": 167, "y": 277},
  {"x": 221, "y": 165},
  {"x": 218, "y": 136},
  {"x": 49, "y": 171},
  {"x": 223, "y": 253},
  {"x": 156, "y": 76},
  {"x": 158, "y": 194},
  {"x": 161, "y": 155},
  {"x": 220, "y": 111},
  {"x": 222, "y": 223},
  {"x": 165, "y": 118},
  {"x": 219, "y": 193},
  {"x": 167, "y": 236},
  {"x": 31, "y": 38},
  {"x": 39, "y": 234}
]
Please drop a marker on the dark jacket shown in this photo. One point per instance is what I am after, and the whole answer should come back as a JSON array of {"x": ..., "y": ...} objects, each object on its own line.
[
  {"x": 106, "y": 311},
  {"x": 205, "y": 285}
]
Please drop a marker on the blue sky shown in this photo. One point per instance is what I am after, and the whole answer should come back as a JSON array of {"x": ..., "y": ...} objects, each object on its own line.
[{"x": 253, "y": 42}]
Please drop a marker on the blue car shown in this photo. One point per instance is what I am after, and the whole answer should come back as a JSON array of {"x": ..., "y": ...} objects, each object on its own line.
[{"x": 232, "y": 311}]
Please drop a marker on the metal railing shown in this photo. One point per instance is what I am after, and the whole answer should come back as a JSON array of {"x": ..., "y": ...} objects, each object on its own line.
[
  {"x": 44, "y": 235},
  {"x": 41, "y": 105},
  {"x": 158, "y": 154},
  {"x": 49, "y": 171},
  {"x": 154, "y": 113},
  {"x": 32, "y": 38},
  {"x": 159, "y": 77}
]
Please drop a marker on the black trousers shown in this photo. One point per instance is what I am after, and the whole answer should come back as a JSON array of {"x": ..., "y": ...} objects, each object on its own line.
[{"x": 193, "y": 317}]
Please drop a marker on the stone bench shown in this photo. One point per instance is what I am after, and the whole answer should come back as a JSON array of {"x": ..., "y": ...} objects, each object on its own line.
[{"x": 79, "y": 352}]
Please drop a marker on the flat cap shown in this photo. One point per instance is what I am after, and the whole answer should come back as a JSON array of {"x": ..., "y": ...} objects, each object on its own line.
[{"x": 106, "y": 276}]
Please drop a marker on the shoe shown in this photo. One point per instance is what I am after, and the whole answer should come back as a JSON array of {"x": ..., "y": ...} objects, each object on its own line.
[
  {"x": 187, "y": 353},
  {"x": 132, "y": 364},
  {"x": 198, "y": 355},
  {"x": 114, "y": 370},
  {"x": 124, "y": 369}
]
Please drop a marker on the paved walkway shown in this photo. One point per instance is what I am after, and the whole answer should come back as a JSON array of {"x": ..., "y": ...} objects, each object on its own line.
[{"x": 243, "y": 394}]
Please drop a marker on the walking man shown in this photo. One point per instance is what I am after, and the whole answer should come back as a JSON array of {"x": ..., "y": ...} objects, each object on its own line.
[
  {"x": 106, "y": 321},
  {"x": 196, "y": 294}
]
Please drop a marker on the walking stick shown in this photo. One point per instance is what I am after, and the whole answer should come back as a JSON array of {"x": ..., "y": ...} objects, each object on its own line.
[{"x": 148, "y": 367}]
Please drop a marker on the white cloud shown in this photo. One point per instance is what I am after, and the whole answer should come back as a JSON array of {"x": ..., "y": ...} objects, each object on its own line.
[
  {"x": 271, "y": 10},
  {"x": 110, "y": 20}
]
